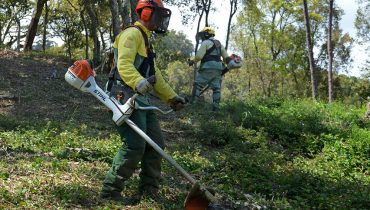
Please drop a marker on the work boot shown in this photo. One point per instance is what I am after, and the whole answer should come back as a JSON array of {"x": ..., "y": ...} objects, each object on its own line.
[
  {"x": 111, "y": 195},
  {"x": 117, "y": 197}
]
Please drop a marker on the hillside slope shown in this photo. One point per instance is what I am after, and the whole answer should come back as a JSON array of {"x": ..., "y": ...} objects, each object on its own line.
[{"x": 57, "y": 143}]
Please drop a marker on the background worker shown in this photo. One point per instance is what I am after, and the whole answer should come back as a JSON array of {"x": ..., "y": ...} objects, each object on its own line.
[
  {"x": 135, "y": 63},
  {"x": 211, "y": 66}
]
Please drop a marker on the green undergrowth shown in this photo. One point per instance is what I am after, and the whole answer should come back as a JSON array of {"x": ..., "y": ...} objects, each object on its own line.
[
  {"x": 260, "y": 153},
  {"x": 288, "y": 154}
]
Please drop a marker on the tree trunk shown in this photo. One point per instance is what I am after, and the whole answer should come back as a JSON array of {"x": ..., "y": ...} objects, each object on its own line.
[
  {"x": 282, "y": 85},
  {"x": 206, "y": 8},
  {"x": 263, "y": 83},
  {"x": 32, "y": 29},
  {"x": 101, "y": 33},
  {"x": 269, "y": 83},
  {"x": 18, "y": 33},
  {"x": 258, "y": 65},
  {"x": 69, "y": 49},
  {"x": 310, "y": 50},
  {"x": 195, "y": 51},
  {"x": 45, "y": 26},
  {"x": 124, "y": 10},
  {"x": 134, "y": 16},
  {"x": 82, "y": 16},
  {"x": 198, "y": 27},
  {"x": 116, "y": 23},
  {"x": 6, "y": 32},
  {"x": 295, "y": 79},
  {"x": 330, "y": 52},
  {"x": 233, "y": 8},
  {"x": 1, "y": 35},
  {"x": 93, "y": 31}
]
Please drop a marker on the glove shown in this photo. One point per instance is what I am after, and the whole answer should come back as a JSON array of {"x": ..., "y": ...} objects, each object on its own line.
[
  {"x": 191, "y": 62},
  {"x": 143, "y": 86},
  {"x": 177, "y": 103}
]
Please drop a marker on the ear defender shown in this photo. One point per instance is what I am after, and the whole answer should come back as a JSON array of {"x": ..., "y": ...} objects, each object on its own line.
[{"x": 146, "y": 14}]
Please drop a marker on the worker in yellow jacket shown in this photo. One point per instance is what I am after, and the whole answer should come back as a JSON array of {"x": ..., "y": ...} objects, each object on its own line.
[{"x": 134, "y": 58}]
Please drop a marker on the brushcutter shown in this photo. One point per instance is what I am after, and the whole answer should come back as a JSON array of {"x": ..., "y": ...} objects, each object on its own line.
[{"x": 81, "y": 76}]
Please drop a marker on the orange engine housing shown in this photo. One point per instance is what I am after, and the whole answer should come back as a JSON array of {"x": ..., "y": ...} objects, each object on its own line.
[{"x": 82, "y": 69}]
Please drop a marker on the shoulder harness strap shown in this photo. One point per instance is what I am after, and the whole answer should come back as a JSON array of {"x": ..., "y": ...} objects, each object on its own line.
[
  {"x": 114, "y": 75},
  {"x": 208, "y": 57},
  {"x": 147, "y": 45}
]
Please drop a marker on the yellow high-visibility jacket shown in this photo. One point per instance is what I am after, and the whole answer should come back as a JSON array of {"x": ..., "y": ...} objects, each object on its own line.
[{"x": 131, "y": 53}]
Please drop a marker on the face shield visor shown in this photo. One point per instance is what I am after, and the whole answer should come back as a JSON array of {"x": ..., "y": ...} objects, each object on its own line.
[
  {"x": 202, "y": 35},
  {"x": 160, "y": 19}
]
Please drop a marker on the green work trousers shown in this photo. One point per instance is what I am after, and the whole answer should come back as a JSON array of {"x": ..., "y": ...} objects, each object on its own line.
[
  {"x": 135, "y": 149},
  {"x": 211, "y": 77}
]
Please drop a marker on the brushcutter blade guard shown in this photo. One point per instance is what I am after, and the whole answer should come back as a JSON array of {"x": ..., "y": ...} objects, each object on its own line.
[{"x": 199, "y": 198}]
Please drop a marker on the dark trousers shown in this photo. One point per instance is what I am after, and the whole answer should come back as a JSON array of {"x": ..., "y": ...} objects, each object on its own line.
[{"x": 135, "y": 149}]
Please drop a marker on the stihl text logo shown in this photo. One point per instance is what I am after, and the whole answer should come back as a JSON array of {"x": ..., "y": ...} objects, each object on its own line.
[{"x": 98, "y": 93}]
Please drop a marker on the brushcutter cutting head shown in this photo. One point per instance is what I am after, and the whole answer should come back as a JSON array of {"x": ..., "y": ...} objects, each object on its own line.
[
  {"x": 79, "y": 73},
  {"x": 199, "y": 198}
]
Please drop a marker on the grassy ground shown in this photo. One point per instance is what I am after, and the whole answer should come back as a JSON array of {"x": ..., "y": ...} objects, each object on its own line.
[{"x": 56, "y": 144}]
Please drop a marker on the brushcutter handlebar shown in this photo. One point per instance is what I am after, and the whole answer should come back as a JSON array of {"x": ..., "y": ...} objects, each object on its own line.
[
  {"x": 137, "y": 106},
  {"x": 131, "y": 101},
  {"x": 153, "y": 108},
  {"x": 152, "y": 79}
]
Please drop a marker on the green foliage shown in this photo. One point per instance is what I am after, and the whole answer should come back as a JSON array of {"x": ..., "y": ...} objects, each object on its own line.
[
  {"x": 7, "y": 123},
  {"x": 191, "y": 161},
  {"x": 290, "y": 154},
  {"x": 10, "y": 13},
  {"x": 351, "y": 90},
  {"x": 274, "y": 50},
  {"x": 180, "y": 77},
  {"x": 67, "y": 26},
  {"x": 71, "y": 194},
  {"x": 283, "y": 154},
  {"x": 217, "y": 132},
  {"x": 70, "y": 143},
  {"x": 362, "y": 22},
  {"x": 171, "y": 47},
  {"x": 57, "y": 53}
]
